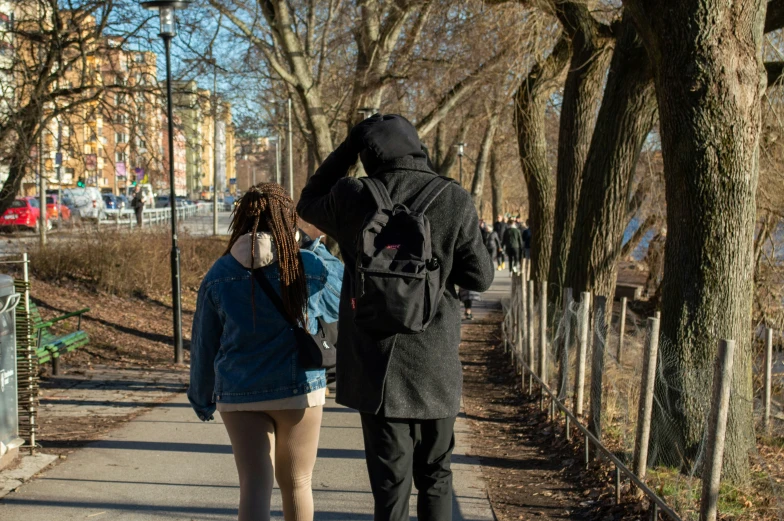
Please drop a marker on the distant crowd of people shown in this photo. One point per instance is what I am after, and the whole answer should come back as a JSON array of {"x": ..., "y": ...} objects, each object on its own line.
[
  {"x": 508, "y": 241},
  {"x": 507, "y": 238}
]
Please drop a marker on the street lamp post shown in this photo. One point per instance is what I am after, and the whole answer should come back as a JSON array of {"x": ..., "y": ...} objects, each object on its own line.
[
  {"x": 460, "y": 151},
  {"x": 276, "y": 140},
  {"x": 166, "y": 10},
  {"x": 215, "y": 161}
]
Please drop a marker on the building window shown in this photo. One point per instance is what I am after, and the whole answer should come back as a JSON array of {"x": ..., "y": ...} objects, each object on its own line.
[
  {"x": 120, "y": 157},
  {"x": 120, "y": 137}
]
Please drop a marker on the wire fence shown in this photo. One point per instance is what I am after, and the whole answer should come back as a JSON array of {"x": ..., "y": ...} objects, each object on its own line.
[{"x": 618, "y": 378}]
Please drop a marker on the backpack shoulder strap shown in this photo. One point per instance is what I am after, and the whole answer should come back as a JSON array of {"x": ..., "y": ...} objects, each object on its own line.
[
  {"x": 379, "y": 193},
  {"x": 429, "y": 193},
  {"x": 258, "y": 274}
]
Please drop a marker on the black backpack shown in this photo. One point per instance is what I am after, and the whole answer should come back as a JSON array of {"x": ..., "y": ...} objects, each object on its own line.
[{"x": 398, "y": 280}]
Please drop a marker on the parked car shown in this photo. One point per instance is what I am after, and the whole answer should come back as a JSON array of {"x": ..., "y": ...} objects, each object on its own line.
[
  {"x": 24, "y": 212},
  {"x": 110, "y": 201},
  {"x": 56, "y": 211},
  {"x": 228, "y": 203},
  {"x": 123, "y": 201},
  {"x": 162, "y": 201},
  {"x": 86, "y": 203}
]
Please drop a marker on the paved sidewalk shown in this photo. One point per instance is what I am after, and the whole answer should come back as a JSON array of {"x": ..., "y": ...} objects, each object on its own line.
[{"x": 167, "y": 465}]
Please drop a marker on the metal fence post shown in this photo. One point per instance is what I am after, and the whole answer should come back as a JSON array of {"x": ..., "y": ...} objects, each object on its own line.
[
  {"x": 768, "y": 376},
  {"x": 582, "y": 352},
  {"x": 531, "y": 352},
  {"x": 622, "y": 330},
  {"x": 645, "y": 409},
  {"x": 543, "y": 331},
  {"x": 597, "y": 366},
  {"x": 717, "y": 430}
]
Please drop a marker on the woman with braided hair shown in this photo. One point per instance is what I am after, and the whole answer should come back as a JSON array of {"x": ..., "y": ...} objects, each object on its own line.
[{"x": 244, "y": 357}]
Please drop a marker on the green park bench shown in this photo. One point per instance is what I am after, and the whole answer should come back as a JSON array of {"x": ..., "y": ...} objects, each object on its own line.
[{"x": 50, "y": 346}]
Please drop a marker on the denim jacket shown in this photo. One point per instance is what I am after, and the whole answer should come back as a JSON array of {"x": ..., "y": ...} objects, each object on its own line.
[{"x": 233, "y": 359}]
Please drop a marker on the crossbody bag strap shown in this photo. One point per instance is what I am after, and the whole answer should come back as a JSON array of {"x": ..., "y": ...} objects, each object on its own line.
[{"x": 258, "y": 274}]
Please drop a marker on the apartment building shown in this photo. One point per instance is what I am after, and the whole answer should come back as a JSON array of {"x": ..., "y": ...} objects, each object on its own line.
[{"x": 194, "y": 107}]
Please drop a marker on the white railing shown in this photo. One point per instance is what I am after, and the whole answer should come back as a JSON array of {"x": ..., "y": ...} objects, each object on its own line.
[{"x": 154, "y": 216}]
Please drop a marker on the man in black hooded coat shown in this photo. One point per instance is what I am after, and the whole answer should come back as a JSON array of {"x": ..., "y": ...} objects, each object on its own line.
[{"x": 406, "y": 387}]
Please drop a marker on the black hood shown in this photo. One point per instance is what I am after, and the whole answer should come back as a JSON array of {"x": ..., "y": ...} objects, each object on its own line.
[{"x": 385, "y": 139}]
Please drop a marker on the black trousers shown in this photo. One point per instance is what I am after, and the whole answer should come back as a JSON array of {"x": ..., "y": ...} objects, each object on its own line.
[
  {"x": 398, "y": 450},
  {"x": 139, "y": 210},
  {"x": 514, "y": 258}
]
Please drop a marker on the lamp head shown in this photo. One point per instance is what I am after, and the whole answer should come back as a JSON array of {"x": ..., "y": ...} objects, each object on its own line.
[{"x": 166, "y": 12}]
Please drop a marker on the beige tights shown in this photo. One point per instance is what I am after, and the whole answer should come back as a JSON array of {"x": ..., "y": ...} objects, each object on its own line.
[{"x": 282, "y": 444}]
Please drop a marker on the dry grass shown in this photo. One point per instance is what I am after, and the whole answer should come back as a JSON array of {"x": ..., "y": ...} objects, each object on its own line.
[{"x": 125, "y": 264}]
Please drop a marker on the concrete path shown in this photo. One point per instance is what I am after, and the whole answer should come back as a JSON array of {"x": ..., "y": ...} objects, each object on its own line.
[{"x": 168, "y": 465}]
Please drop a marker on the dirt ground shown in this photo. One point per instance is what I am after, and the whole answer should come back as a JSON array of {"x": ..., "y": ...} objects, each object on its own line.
[
  {"x": 532, "y": 472},
  {"x": 131, "y": 335}
]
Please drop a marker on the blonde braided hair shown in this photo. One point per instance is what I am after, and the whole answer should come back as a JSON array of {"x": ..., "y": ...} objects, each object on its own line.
[{"x": 267, "y": 207}]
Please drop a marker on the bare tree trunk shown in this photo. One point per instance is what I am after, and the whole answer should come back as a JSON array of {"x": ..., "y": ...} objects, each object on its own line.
[
  {"x": 638, "y": 236},
  {"x": 497, "y": 182},
  {"x": 624, "y": 120},
  {"x": 439, "y": 149},
  {"x": 709, "y": 83},
  {"x": 530, "y": 104},
  {"x": 478, "y": 184},
  {"x": 591, "y": 53},
  {"x": 19, "y": 157},
  {"x": 449, "y": 159}
]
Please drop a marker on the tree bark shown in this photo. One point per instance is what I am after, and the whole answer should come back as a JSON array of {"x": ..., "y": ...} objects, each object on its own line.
[
  {"x": 497, "y": 182},
  {"x": 449, "y": 159},
  {"x": 530, "y": 105},
  {"x": 439, "y": 148},
  {"x": 707, "y": 63},
  {"x": 591, "y": 46},
  {"x": 625, "y": 119},
  {"x": 478, "y": 184}
]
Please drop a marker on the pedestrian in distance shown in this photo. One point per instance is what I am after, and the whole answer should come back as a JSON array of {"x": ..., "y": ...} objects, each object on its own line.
[
  {"x": 468, "y": 297},
  {"x": 137, "y": 203},
  {"x": 407, "y": 387},
  {"x": 527, "y": 236},
  {"x": 245, "y": 356},
  {"x": 513, "y": 244},
  {"x": 500, "y": 227},
  {"x": 494, "y": 248}
]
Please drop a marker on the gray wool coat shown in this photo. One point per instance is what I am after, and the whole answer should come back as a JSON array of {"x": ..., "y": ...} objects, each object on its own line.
[{"x": 405, "y": 376}]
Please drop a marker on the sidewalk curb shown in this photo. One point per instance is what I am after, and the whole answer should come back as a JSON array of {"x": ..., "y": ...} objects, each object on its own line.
[{"x": 10, "y": 480}]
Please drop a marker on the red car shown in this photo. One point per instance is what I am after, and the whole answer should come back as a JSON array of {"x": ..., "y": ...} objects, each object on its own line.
[
  {"x": 52, "y": 207},
  {"x": 24, "y": 212}
]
